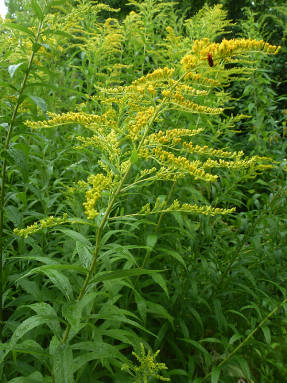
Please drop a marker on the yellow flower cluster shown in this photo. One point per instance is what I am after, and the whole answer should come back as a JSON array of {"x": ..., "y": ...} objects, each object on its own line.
[
  {"x": 184, "y": 208},
  {"x": 99, "y": 183},
  {"x": 65, "y": 118},
  {"x": 210, "y": 151},
  {"x": 172, "y": 136},
  {"x": 148, "y": 366},
  {"x": 141, "y": 120},
  {"x": 181, "y": 103},
  {"x": 237, "y": 46},
  {"x": 238, "y": 164},
  {"x": 157, "y": 74},
  {"x": 202, "y": 80},
  {"x": 224, "y": 50},
  {"x": 42, "y": 224},
  {"x": 180, "y": 163},
  {"x": 195, "y": 209}
]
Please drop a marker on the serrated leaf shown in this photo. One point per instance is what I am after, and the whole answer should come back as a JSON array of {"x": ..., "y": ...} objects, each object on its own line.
[
  {"x": 63, "y": 364},
  {"x": 12, "y": 69},
  {"x": 39, "y": 102}
]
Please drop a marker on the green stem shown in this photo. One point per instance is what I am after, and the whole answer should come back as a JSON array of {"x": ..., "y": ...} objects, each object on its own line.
[
  {"x": 97, "y": 248},
  {"x": 4, "y": 169},
  {"x": 109, "y": 208},
  {"x": 247, "y": 338},
  {"x": 248, "y": 233}
]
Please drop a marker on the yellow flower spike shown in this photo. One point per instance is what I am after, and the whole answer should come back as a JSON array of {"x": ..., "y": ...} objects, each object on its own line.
[
  {"x": 65, "y": 118},
  {"x": 99, "y": 183},
  {"x": 42, "y": 224}
]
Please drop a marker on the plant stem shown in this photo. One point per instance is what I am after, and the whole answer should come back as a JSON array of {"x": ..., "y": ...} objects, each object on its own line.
[
  {"x": 97, "y": 248},
  {"x": 4, "y": 168},
  {"x": 246, "y": 236},
  {"x": 247, "y": 338},
  {"x": 110, "y": 206}
]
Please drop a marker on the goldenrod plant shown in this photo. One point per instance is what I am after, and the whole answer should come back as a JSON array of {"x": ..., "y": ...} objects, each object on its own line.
[{"x": 123, "y": 177}]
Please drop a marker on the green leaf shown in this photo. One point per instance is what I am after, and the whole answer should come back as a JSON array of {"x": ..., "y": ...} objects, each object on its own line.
[
  {"x": 134, "y": 156},
  {"x": 58, "y": 279},
  {"x": 13, "y": 215},
  {"x": 199, "y": 347},
  {"x": 57, "y": 266},
  {"x": 84, "y": 254},
  {"x": 28, "y": 325},
  {"x": 155, "y": 308},
  {"x": 37, "y": 9},
  {"x": 110, "y": 275},
  {"x": 151, "y": 240},
  {"x": 39, "y": 102},
  {"x": 20, "y": 27},
  {"x": 141, "y": 306},
  {"x": 173, "y": 254},
  {"x": 12, "y": 68},
  {"x": 49, "y": 314},
  {"x": 63, "y": 364},
  {"x": 158, "y": 278},
  {"x": 73, "y": 311},
  {"x": 267, "y": 334},
  {"x": 215, "y": 374},
  {"x": 76, "y": 236},
  {"x": 96, "y": 350},
  {"x": 35, "y": 377}
]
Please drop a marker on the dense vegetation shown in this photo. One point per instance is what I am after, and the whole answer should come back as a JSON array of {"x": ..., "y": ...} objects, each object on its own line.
[{"x": 143, "y": 197}]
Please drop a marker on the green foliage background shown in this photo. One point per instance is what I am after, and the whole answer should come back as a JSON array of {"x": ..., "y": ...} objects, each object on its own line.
[{"x": 208, "y": 292}]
